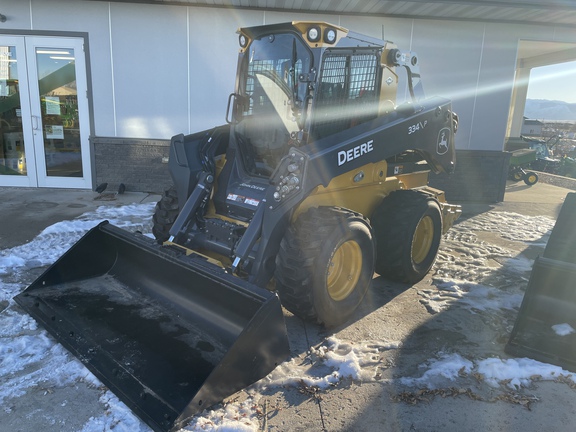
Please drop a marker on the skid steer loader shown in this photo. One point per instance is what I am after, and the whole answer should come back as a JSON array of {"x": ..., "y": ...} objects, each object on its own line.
[{"x": 317, "y": 179}]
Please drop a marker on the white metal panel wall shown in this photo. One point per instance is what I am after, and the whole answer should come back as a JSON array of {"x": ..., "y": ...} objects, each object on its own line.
[
  {"x": 17, "y": 13},
  {"x": 453, "y": 64},
  {"x": 158, "y": 70},
  {"x": 150, "y": 69},
  {"x": 213, "y": 52},
  {"x": 91, "y": 18},
  {"x": 450, "y": 56}
]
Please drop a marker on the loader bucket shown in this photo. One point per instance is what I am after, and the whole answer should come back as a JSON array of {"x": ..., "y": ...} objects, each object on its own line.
[
  {"x": 561, "y": 245},
  {"x": 169, "y": 334},
  {"x": 550, "y": 299}
]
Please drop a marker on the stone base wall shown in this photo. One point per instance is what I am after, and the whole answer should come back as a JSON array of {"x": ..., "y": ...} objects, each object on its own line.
[{"x": 141, "y": 164}]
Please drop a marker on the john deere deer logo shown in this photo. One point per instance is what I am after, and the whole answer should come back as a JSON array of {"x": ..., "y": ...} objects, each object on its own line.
[{"x": 442, "y": 143}]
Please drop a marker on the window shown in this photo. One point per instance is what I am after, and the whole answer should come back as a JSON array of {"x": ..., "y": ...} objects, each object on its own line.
[
  {"x": 347, "y": 93},
  {"x": 271, "y": 95}
]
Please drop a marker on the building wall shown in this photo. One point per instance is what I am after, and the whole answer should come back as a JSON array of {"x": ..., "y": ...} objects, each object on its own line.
[
  {"x": 139, "y": 164},
  {"x": 532, "y": 128},
  {"x": 159, "y": 70}
]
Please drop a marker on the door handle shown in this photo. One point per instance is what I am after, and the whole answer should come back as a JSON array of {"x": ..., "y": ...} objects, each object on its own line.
[{"x": 35, "y": 122}]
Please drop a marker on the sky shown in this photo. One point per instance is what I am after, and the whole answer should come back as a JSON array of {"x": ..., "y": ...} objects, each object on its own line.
[
  {"x": 29, "y": 359},
  {"x": 554, "y": 82}
]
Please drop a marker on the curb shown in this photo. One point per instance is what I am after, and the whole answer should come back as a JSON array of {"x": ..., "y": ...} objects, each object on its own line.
[{"x": 556, "y": 180}]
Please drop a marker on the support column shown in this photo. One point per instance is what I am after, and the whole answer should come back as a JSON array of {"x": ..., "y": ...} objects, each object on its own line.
[{"x": 519, "y": 93}]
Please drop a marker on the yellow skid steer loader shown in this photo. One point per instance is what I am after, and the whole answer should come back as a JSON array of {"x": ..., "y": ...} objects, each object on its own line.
[{"x": 317, "y": 179}]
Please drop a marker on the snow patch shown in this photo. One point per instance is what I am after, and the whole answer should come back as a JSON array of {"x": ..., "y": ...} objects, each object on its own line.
[
  {"x": 329, "y": 363},
  {"x": 518, "y": 372},
  {"x": 513, "y": 373},
  {"x": 469, "y": 295},
  {"x": 234, "y": 417},
  {"x": 563, "y": 329},
  {"x": 447, "y": 367}
]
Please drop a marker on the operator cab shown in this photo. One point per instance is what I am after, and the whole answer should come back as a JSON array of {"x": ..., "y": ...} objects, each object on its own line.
[
  {"x": 271, "y": 94},
  {"x": 300, "y": 82},
  {"x": 298, "y": 85}
]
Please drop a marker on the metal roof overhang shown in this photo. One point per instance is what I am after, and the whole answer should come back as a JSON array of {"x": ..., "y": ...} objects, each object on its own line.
[{"x": 536, "y": 12}]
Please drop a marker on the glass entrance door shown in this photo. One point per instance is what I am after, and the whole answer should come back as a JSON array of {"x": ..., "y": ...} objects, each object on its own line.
[
  {"x": 59, "y": 107},
  {"x": 52, "y": 114},
  {"x": 16, "y": 141}
]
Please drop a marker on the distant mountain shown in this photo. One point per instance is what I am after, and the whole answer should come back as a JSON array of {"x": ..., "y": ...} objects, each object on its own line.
[{"x": 541, "y": 109}]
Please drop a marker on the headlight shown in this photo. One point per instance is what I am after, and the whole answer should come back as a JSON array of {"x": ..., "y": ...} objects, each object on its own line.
[
  {"x": 243, "y": 41},
  {"x": 313, "y": 34},
  {"x": 330, "y": 36}
]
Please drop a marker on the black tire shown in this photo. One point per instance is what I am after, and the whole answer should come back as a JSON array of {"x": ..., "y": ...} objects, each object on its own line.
[
  {"x": 530, "y": 178},
  {"x": 517, "y": 175},
  {"x": 165, "y": 214},
  {"x": 408, "y": 229},
  {"x": 325, "y": 265}
]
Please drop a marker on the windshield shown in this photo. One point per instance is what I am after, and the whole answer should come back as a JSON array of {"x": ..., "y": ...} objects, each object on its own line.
[{"x": 271, "y": 96}]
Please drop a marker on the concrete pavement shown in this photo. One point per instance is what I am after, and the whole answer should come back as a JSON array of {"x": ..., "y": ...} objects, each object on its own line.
[
  {"x": 391, "y": 312},
  {"x": 27, "y": 211}
]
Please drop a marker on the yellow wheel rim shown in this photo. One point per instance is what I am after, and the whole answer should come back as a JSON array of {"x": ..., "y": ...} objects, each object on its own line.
[
  {"x": 422, "y": 241},
  {"x": 532, "y": 178},
  {"x": 344, "y": 270}
]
